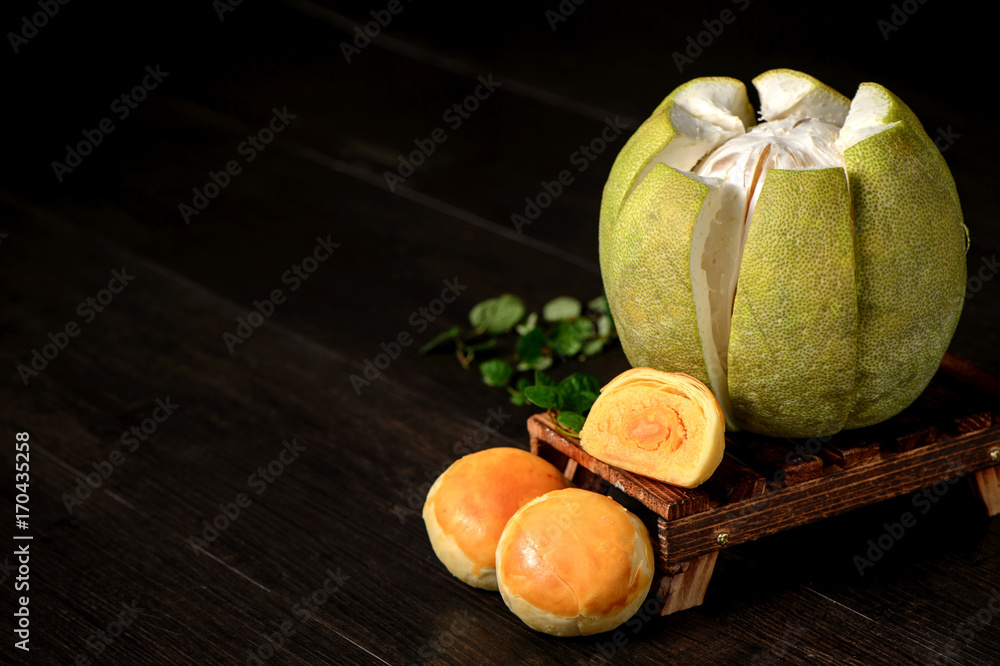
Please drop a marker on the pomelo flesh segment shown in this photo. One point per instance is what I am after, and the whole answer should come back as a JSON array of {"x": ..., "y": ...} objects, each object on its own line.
[{"x": 667, "y": 426}]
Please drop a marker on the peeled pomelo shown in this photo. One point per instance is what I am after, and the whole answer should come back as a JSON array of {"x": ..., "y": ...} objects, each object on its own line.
[
  {"x": 667, "y": 426},
  {"x": 810, "y": 268}
]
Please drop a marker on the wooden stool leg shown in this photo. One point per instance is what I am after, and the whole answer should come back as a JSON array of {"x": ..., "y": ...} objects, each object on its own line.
[
  {"x": 686, "y": 588},
  {"x": 986, "y": 484},
  {"x": 574, "y": 472}
]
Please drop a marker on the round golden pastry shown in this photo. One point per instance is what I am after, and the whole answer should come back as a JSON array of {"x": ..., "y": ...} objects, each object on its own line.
[
  {"x": 470, "y": 503},
  {"x": 574, "y": 563}
]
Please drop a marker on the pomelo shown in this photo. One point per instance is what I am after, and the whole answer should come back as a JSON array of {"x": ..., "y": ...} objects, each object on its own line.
[{"x": 810, "y": 268}]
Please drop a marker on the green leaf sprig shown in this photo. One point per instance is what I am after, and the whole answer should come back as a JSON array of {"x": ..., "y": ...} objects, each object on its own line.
[{"x": 523, "y": 345}]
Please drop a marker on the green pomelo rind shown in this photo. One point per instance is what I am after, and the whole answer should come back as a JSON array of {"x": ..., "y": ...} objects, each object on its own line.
[
  {"x": 649, "y": 282},
  {"x": 792, "y": 349},
  {"x": 910, "y": 243},
  {"x": 652, "y": 137}
]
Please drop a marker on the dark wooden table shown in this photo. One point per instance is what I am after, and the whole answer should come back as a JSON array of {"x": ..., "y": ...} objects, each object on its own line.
[{"x": 253, "y": 504}]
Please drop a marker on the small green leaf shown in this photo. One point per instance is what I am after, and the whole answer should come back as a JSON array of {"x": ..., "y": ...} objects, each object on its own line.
[
  {"x": 565, "y": 338},
  {"x": 529, "y": 347},
  {"x": 579, "y": 391},
  {"x": 604, "y": 326},
  {"x": 581, "y": 381},
  {"x": 497, "y": 315},
  {"x": 529, "y": 324},
  {"x": 439, "y": 338},
  {"x": 592, "y": 347},
  {"x": 561, "y": 308},
  {"x": 585, "y": 328},
  {"x": 581, "y": 402},
  {"x": 599, "y": 304},
  {"x": 571, "y": 420},
  {"x": 485, "y": 344},
  {"x": 518, "y": 398},
  {"x": 542, "y": 379},
  {"x": 496, "y": 372},
  {"x": 543, "y": 362},
  {"x": 546, "y": 397}
]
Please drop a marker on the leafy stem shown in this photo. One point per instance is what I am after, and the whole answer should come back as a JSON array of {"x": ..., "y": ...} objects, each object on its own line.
[{"x": 519, "y": 346}]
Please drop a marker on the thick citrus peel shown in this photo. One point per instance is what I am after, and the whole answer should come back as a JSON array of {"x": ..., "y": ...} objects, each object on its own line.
[{"x": 810, "y": 267}]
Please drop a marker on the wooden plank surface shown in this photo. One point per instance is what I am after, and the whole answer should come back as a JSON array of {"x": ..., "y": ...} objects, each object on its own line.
[
  {"x": 666, "y": 500},
  {"x": 344, "y": 516}
]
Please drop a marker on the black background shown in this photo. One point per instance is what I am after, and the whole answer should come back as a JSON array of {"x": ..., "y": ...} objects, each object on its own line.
[{"x": 366, "y": 453}]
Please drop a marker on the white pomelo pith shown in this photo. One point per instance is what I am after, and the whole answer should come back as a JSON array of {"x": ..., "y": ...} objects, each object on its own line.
[{"x": 810, "y": 269}]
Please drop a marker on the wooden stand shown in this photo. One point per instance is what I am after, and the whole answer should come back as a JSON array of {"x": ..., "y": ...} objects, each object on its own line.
[{"x": 767, "y": 485}]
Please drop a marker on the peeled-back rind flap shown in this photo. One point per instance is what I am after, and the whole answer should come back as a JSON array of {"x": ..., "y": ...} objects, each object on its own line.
[
  {"x": 792, "y": 350},
  {"x": 910, "y": 247},
  {"x": 653, "y": 267},
  {"x": 691, "y": 121},
  {"x": 785, "y": 93}
]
